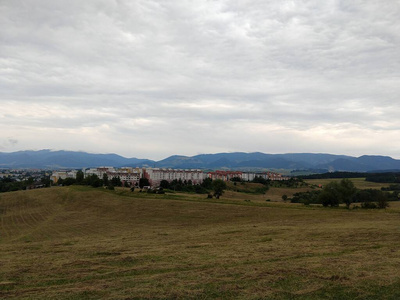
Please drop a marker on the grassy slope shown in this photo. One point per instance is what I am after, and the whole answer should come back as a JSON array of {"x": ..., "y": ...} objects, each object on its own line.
[
  {"x": 74, "y": 243},
  {"x": 359, "y": 183}
]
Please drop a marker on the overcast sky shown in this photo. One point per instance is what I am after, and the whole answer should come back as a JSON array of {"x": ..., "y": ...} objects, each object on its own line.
[{"x": 149, "y": 79}]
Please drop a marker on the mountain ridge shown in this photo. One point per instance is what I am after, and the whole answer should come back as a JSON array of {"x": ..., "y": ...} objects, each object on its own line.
[{"x": 62, "y": 159}]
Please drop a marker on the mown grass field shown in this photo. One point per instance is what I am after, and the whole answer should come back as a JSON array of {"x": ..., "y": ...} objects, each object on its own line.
[
  {"x": 359, "y": 183},
  {"x": 84, "y": 243}
]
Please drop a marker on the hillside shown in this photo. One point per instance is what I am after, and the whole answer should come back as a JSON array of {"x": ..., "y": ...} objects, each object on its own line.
[
  {"x": 83, "y": 243},
  {"x": 46, "y": 159}
]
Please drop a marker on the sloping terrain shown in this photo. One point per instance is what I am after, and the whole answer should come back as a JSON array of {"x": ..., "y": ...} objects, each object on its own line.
[{"x": 83, "y": 243}]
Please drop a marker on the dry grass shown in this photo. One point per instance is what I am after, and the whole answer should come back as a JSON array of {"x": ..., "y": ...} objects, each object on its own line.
[
  {"x": 82, "y": 243},
  {"x": 358, "y": 182}
]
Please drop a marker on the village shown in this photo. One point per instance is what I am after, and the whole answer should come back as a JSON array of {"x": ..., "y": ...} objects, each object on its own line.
[{"x": 130, "y": 176}]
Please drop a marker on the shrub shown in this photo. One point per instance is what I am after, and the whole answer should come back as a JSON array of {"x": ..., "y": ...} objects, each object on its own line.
[{"x": 369, "y": 205}]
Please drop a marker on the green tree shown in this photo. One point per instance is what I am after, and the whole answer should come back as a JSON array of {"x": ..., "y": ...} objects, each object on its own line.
[
  {"x": 218, "y": 187},
  {"x": 335, "y": 193},
  {"x": 143, "y": 182},
  {"x": 382, "y": 200},
  {"x": 93, "y": 180},
  {"x": 207, "y": 183},
  {"x": 330, "y": 194},
  {"x": 105, "y": 179},
  {"x": 236, "y": 179},
  {"x": 69, "y": 181},
  {"x": 259, "y": 179},
  {"x": 79, "y": 177},
  {"x": 45, "y": 180},
  {"x": 116, "y": 181},
  {"x": 347, "y": 191},
  {"x": 164, "y": 184},
  {"x": 176, "y": 185},
  {"x": 30, "y": 180}
]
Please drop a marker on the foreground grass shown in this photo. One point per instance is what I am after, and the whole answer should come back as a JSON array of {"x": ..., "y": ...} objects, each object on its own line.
[{"x": 83, "y": 243}]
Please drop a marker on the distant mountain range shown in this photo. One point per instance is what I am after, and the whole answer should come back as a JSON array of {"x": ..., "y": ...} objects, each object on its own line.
[{"x": 47, "y": 159}]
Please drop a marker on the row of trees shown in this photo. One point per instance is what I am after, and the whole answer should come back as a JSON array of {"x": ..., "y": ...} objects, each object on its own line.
[
  {"x": 291, "y": 182},
  {"x": 94, "y": 181},
  {"x": 216, "y": 186},
  {"x": 335, "y": 193},
  {"x": 9, "y": 184}
]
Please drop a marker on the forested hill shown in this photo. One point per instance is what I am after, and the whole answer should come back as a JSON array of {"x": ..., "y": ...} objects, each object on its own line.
[{"x": 236, "y": 160}]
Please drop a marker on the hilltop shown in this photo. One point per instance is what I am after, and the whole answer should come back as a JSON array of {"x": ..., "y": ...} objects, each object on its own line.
[{"x": 315, "y": 162}]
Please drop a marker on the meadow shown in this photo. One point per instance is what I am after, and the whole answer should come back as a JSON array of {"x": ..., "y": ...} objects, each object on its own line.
[
  {"x": 84, "y": 243},
  {"x": 359, "y": 183}
]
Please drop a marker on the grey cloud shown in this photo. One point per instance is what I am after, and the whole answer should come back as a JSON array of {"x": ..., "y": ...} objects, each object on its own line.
[{"x": 163, "y": 67}]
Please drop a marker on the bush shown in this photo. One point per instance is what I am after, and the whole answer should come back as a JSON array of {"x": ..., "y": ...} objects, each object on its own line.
[
  {"x": 311, "y": 197},
  {"x": 369, "y": 205},
  {"x": 200, "y": 190},
  {"x": 69, "y": 181}
]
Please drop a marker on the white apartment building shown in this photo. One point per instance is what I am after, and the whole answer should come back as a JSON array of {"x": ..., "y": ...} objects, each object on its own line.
[
  {"x": 156, "y": 175},
  {"x": 55, "y": 176},
  {"x": 126, "y": 174}
]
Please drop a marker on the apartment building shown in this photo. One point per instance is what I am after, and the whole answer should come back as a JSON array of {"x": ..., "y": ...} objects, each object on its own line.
[
  {"x": 126, "y": 174},
  {"x": 156, "y": 175},
  {"x": 224, "y": 175},
  {"x": 55, "y": 176}
]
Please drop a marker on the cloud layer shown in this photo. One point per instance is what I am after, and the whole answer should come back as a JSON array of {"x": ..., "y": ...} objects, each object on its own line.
[{"x": 155, "y": 78}]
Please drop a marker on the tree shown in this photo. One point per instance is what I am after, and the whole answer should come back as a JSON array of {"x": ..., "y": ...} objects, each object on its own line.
[
  {"x": 347, "y": 191},
  {"x": 69, "y": 181},
  {"x": 105, "y": 179},
  {"x": 259, "y": 179},
  {"x": 218, "y": 187},
  {"x": 93, "y": 180},
  {"x": 382, "y": 200},
  {"x": 30, "y": 180},
  {"x": 79, "y": 177},
  {"x": 236, "y": 179},
  {"x": 45, "y": 180},
  {"x": 116, "y": 181},
  {"x": 330, "y": 194},
  {"x": 335, "y": 193},
  {"x": 164, "y": 184},
  {"x": 284, "y": 197},
  {"x": 176, "y": 185},
  {"x": 207, "y": 183},
  {"x": 143, "y": 182}
]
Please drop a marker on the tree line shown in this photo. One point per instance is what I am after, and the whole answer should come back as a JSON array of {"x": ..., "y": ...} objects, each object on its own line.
[
  {"x": 8, "y": 184},
  {"x": 344, "y": 192}
]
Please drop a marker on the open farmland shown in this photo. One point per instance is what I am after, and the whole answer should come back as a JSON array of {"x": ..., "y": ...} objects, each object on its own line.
[
  {"x": 359, "y": 183},
  {"x": 83, "y": 243}
]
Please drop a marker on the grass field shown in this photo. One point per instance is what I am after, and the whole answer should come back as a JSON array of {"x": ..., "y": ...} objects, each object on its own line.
[
  {"x": 359, "y": 183},
  {"x": 84, "y": 243}
]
